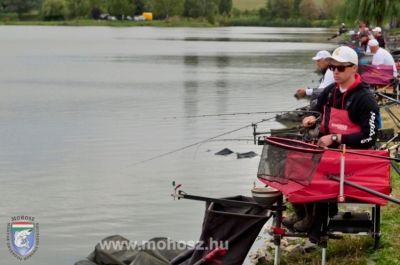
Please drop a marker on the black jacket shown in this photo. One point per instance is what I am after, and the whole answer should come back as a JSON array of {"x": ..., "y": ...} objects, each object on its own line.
[
  {"x": 381, "y": 41},
  {"x": 362, "y": 108}
]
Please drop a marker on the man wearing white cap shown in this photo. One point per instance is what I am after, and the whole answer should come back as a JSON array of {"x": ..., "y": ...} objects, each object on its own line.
[
  {"x": 377, "y": 31},
  {"x": 349, "y": 116},
  {"x": 353, "y": 110},
  {"x": 322, "y": 61},
  {"x": 381, "y": 56}
]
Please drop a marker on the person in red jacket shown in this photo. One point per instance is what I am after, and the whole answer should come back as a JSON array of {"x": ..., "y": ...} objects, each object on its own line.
[
  {"x": 349, "y": 109},
  {"x": 349, "y": 116}
]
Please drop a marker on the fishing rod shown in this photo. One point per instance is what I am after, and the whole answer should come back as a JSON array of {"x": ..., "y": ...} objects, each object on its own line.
[
  {"x": 307, "y": 134},
  {"x": 384, "y": 146},
  {"x": 231, "y": 140},
  {"x": 232, "y": 114},
  {"x": 209, "y": 139},
  {"x": 396, "y": 123},
  {"x": 393, "y": 116},
  {"x": 370, "y": 191},
  {"x": 278, "y": 131},
  {"x": 387, "y": 97},
  {"x": 340, "y": 150},
  {"x": 395, "y": 167},
  {"x": 361, "y": 154},
  {"x": 248, "y": 113},
  {"x": 200, "y": 142},
  {"x": 285, "y": 130}
]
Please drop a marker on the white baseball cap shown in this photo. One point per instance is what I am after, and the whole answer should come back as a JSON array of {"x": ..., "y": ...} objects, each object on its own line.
[
  {"x": 345, "y": 54},
  {"x": 377, "y": 29},
  {"x": 321, "y": 55},
  {"x": 373, "y": 43}
]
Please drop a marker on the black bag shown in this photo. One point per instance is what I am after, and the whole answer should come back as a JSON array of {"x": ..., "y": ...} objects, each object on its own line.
[{"x": 228, "y": 233}]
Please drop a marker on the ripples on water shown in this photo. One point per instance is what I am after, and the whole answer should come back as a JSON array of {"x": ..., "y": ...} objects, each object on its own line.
[{"x": 79, "y": 106}]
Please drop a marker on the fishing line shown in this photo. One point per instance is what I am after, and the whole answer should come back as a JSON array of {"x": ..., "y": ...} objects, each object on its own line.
[
  {"x": 285, "y": 80},
  {"x": 242, "y": 113},
  {"x": 214, "y": 137},
  {"x": 201, "y": 142},
  {"x": 220, "y": 140}
]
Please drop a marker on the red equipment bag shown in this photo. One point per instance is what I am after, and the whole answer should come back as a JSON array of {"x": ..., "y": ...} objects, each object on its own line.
[
  {"x": 377, "y": 74},
  {"x": 300, "y": 171}
]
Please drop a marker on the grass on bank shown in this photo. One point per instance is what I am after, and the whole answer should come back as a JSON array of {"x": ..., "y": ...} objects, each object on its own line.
[
  {"x": 248, "y": 4},
  {"x": 358, "y": 250}
]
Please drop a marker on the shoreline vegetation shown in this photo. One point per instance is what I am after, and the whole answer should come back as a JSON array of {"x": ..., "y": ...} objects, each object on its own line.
[
  {"x": 195, "y": 13},
  {"x": 170, "y": 13},
  {"x": 252, "y": 21}
]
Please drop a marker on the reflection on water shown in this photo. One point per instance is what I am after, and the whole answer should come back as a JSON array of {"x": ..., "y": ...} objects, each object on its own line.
[
  {"x": 279, "y": 38},
  {"x": 222, "y": 83},
  {"x": 81, "y": 106}
]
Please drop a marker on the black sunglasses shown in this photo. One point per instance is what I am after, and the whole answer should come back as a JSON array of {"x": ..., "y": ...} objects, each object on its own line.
[{"x": 340, "y": 68}]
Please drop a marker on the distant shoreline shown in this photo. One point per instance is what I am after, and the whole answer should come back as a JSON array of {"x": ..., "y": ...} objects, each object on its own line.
[
  {"x": 173, "y": 22},
  {"x": 177, "y": 22},
  {"x": 125, "y": 23}
]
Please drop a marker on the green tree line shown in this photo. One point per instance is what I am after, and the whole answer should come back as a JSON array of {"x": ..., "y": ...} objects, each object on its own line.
[
  {"x": 72, "y": 9},
  {"x": 375, "y": 12}
]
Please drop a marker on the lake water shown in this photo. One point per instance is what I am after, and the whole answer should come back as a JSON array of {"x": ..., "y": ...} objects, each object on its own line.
[{"x": 81, "y": 106}]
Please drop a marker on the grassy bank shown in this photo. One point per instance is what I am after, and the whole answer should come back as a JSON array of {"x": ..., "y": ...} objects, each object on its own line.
[
  {"x": 249, "y": 4},
  {"x": 255, "y": 21}
]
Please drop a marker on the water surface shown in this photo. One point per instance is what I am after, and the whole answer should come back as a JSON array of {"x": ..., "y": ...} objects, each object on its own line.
[{"x": 80, "y": 106}]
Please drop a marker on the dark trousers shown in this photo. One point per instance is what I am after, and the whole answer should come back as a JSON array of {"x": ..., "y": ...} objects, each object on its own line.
[{"x": 319, "y": 227}]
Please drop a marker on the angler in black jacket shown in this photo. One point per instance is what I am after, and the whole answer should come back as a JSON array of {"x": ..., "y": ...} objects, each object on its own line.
[
  {"x": 350, "y": 111},
  {"x": 349, "y": 116}
]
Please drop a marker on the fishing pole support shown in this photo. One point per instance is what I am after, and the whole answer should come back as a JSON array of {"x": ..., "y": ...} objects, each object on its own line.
[
  {"x": 180, "y": 194},
  {"x": 370, "y": 191},
  {"x": 177, "y": 193},
  {"x": 254, "y": 132},
  {"x": 341, "y": 197}
]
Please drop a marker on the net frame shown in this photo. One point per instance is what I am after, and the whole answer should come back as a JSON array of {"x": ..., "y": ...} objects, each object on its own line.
[
  {"x": 287, "y": 143},
  {"x": 283, "y": 160}
]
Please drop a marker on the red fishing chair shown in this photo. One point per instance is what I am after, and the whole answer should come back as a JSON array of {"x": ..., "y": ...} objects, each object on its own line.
[{"x": 307, "y": 173}]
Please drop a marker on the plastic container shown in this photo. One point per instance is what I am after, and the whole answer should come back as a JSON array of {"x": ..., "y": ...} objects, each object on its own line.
[
  {"x": 265, "y": 195},
  {"x": 148, "y": 16}
]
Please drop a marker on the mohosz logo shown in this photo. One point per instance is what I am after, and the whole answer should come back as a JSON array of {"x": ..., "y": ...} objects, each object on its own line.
[{"x": 23, "y": 236}]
